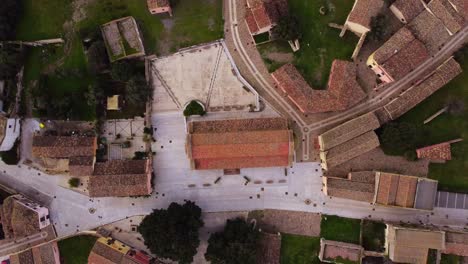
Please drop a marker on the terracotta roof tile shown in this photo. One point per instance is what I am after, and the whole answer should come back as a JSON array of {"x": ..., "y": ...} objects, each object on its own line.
[
  {"x": 401, "y": 54},
  {"x": 157, "y": 3},
  {"x": 251, "y": 23},
  {"x": 409, "y": 8},
  {"x": 416, "y": 94},
  {"x": 429, "y": 30},
  {"x": 241, "y": 143},
  {"x": 238, "y": 125},
  {"x": 102, "y": 254},
  {"x": 63, "y": 147},
  {"x": 349, "y": 150},
  {"x": 121, "y": 178},
  {"x": 456, "y": 244},
  {"x": 364, "y": 10},
  {"x": 332, "y": 250},
  {"x": 443, "y": 10},
  {"x": 263, "y": 15},
  {"x": 396, "y": 190},
  {"x": 343, "y": 90},
  {"x": 348, "y": 189},
  {"x": 362, "y": 176},
  {"x": 440, "y": 151},
  {"x": 251, "y": 137},
  {"x": 348, "y": 131}
]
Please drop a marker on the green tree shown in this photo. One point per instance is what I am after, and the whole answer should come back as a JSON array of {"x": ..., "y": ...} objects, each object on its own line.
[
  {"x": 397, "y": 138},
  {"x": 74, "y": 182},
  {"x": 455, "y": 106},
  {"x": 123, "y": 70},
  {"x": 10, "y": 13},
  {"x": 194, "y": 108},
  {"x": 288, "y": 28},
  {"x": 173, "y": 232},
  {"x": 137, "y": 90},
  {"x": 97, "y": 57},
  {"x": 236, "y": 244},
  {"x": 11, "y": 58},
  {"x": 379, "y": 27}
]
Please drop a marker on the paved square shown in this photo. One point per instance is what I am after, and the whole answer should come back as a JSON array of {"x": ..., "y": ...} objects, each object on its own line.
[{"x": 206, "y": 73}]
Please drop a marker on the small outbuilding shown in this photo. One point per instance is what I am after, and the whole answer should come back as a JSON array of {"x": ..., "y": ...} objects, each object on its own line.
[
  {"x": 113, "y": 102},
  {"x": 159, "y": 7}
]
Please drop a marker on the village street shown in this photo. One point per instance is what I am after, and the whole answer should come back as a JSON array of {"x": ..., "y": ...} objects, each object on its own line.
[
  {"x": 297, "y": 188},
  {"x": 377, "y": 99}
]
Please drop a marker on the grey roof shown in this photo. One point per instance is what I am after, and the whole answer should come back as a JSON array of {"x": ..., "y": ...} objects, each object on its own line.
[{"x": 426, "y": 194}]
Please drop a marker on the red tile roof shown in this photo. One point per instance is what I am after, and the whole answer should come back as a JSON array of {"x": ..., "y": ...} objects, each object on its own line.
[
  {"x": 244, "y": 143},
  {"x": 364, "y": 10},
  {"x": 343, "y": 89},
  {"x": 157, "y": 3},
  {"x": 64, "y": 147},
  {"x": 265, "y": 14},
  {"x": 456, "y": 244},
  {"x": 440, "y": 151},
  {"x": 251, "y": 23},
  {"x": 397, "y": 190},
  {"x": 409, "y": 8},
  {"x": 401, "y": 54},
  {"x": 121, "y": 178}
]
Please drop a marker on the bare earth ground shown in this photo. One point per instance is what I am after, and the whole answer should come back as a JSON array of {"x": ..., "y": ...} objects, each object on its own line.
[
  {"x": 378, "y": 161},
  {"x": 291, "y": 222}
]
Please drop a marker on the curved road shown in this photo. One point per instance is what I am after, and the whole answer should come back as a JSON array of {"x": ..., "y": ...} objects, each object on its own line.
[{"x": 374, "y": 103}]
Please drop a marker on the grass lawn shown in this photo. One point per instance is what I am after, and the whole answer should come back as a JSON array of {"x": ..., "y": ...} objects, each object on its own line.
[
  {"x": 194, "y": 22},
  {"x": 450, "y": 259},
  {"x": 68, "y": 75},
  {"x": 320, "y": 44},
  {"x": 43, "y": 19},
  {"x": 452, "y": 176},
  {"x": 299, "y": 249},
  {"x": 75, "y": 250},
  {"x": 373, "y": 236},
  {"x": 340, "y": 229}
]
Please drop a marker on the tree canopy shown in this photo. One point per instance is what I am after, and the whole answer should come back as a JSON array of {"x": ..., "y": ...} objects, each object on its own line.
[
  {"x": 173, "y": 232},
  {"x": 455, "y": 106},
  {"x": 236, "y": 244},
  {"x": 379, "y": 27},
  {"x": 11, "y": 57},
  {"x": 398, "y": 138},
  {"x": 288, "y": 28},
  {"x": 123, "y": 70},
  {"x": 137, "y": 90},
  {"x": 194, "y": 108},
  {"x": 10, "y": 13}
]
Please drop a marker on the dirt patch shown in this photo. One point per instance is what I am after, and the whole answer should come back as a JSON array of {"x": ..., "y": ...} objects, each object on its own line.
[
  {"x": 280, "y": 57},
  {"x": 291, "y": 222},
  {"x": 168, "y": 23},
  {"x": 79, "y": 9},
  {"x": 378, "y": 161}
]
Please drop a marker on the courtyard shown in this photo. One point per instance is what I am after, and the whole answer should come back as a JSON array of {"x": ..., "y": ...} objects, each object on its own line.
[
  {"x": 174, "y": 175},
  {"x": 320, "y": 44},
  {"x": 124, "y": 137},
  {"x": 205, "y": 73}
]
